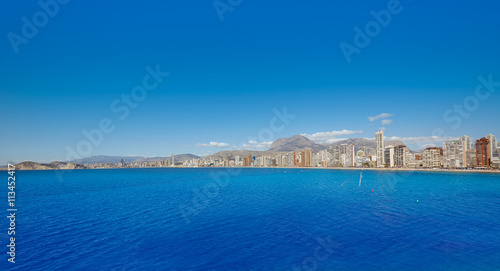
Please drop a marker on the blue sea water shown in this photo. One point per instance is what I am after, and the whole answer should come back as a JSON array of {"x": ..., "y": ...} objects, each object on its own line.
[{"x": 254, "y": 219}]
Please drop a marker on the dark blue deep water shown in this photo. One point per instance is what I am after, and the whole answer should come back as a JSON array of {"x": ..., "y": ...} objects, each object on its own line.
[{"x": 254, "y": 219}]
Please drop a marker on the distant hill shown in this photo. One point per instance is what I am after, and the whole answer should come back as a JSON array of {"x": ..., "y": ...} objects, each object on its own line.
[
  {"x": 37, "y": 166},
  {"x": 294, "y": 143},
  {"x": 297, "y": 143},
  {"x": 75, "y": 164},
  {"x": 102, "y": 159}
]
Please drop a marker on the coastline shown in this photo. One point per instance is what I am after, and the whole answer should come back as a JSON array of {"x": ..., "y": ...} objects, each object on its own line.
[{"x": 491, "y": 171}]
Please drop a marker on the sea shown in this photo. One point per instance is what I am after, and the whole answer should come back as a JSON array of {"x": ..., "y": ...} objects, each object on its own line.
[{"x": 253, "y": 219}]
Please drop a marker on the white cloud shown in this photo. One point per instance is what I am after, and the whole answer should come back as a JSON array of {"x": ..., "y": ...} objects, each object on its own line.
[
  {"x": 386, "y": 122},
  {"x": 333, "y": 140},
  {"x": 330, "y": 137},
  {"x": 252, "y": 145},
  {"x": 380, "y": 116},
  {"x": 212, "y": 145},
  {"x": 204, "y": 153}
]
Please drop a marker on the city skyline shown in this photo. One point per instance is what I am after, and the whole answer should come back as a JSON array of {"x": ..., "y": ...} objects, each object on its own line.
[
  {"x": 454, "y": 153},
  {"x": 414, "y": 143},
  {"x": 225, "y": 78}
]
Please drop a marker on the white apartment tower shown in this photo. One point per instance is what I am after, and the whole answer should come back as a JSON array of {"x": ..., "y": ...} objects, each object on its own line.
[
  {"x": 494, "y": 151},
  {"x": 379, "y": 138},
  {"x": 455, "y": 152},
  {"x": 389, "y": 156},
  {"x": 347, "y": 155}
]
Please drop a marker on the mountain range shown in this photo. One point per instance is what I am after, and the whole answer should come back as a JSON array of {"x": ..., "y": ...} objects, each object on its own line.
[
  {"x": 28, "y": 165},
  {"x": 299, "y": 142}
]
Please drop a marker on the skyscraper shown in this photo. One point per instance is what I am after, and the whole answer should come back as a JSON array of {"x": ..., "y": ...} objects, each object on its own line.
[
  {"x": 494, "y": 151},
  {"x": 432, "y": 157},
  {"x": 379, "y": 138},
  {"x": 247, "y": 161},
  {"x": 335, "y": 153},
  {"x": 483, "y": 154},
  {"x": 347, "y": 155},
  {"x": 389, "y": 156},
  {"x": 306, "y": 158},
  {"x": 400, "y": 154},
  {"x": 455, "y": 152}
]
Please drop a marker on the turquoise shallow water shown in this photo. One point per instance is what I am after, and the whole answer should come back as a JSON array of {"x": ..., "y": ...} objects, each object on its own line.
[{"x": 255, "y": 219}]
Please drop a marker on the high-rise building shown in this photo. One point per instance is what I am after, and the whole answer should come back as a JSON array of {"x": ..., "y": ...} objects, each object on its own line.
[
  {"x": 237, "y": 160},
  {"x": 494, "y": 151},
  {"x": 324, "y": 158},
  {"x": 289, "y": 159},
  {"x": 483, "y": 154},
  {"x": 315, "y": 160},
  {"x": 388, "y": 156},
  {"x": 379, "y": 138},
  {"x": 432, "y": 157},
  {"x": 306, "y": 158},
  {"x": 335, "y": 156},
  {"x": 347, "y": 155},
  {"x": 400, "y": 154},
  {"x": 247, "y": 161},
  {"x": 471, "y": 158},
  {"x": 455, "y": 152},
  {"x": 173, "y": 160},
  {"x": 411, "y": 160}
]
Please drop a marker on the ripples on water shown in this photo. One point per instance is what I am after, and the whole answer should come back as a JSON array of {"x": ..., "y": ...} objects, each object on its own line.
[{"x": 262, "y": 219}]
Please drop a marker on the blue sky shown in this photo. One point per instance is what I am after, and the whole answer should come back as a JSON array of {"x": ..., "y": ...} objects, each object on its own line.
[{"x": 226, "y": 76}]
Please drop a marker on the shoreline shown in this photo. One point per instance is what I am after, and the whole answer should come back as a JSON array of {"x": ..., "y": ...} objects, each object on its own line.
[{"x": 491, "y": 171}]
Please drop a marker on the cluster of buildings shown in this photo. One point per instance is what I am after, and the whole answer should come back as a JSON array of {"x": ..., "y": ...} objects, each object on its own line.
[
  {"x": 462, "y": 153},
  {"x": 135, "y": 164}
]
